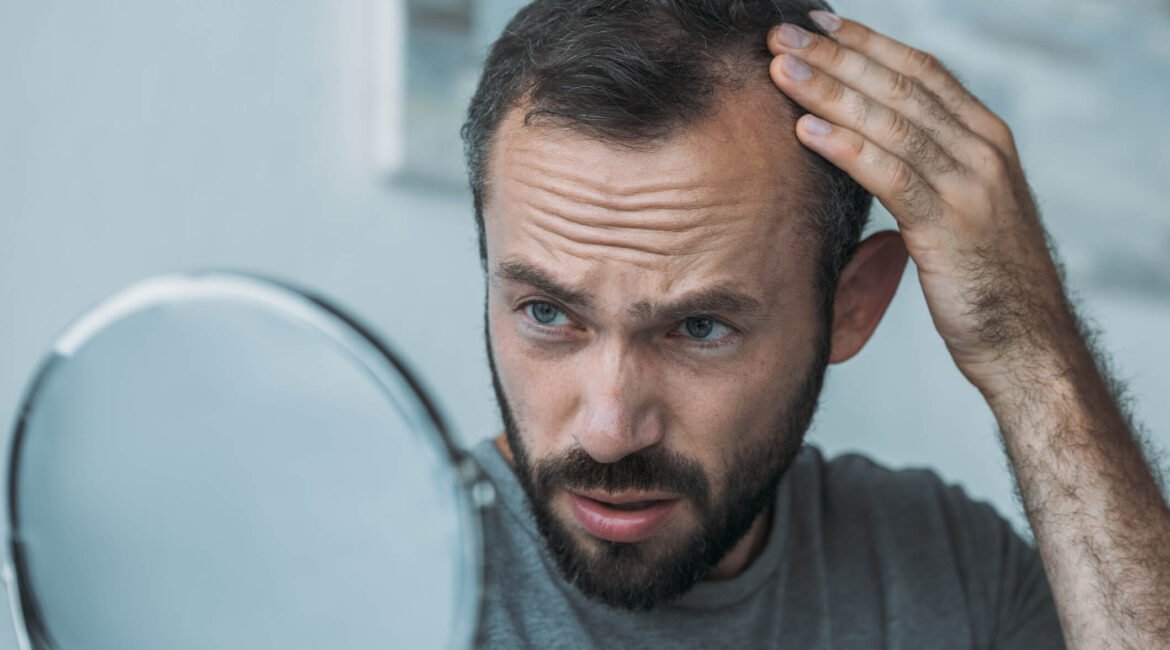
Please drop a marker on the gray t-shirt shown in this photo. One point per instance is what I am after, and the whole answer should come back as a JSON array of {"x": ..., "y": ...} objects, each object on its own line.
[{"x": 858, "y": 556}]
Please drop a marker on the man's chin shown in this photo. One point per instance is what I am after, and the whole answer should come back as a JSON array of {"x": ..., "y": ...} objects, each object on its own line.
[{"x": 628, "y": 575}]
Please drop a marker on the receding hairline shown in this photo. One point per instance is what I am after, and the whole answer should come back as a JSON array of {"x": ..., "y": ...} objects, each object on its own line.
[{"x": 762, "y": 93}]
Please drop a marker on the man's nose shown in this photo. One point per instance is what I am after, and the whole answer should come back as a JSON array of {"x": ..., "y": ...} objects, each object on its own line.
[{"x": 620, "y": 412}]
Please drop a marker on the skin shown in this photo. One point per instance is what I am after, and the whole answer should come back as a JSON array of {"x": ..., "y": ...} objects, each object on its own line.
[
  {"x": 637, "y": 227},
  {"x": 947, "y": 169}
]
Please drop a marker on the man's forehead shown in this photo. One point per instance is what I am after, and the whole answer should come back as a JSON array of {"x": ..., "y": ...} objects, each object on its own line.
[{"x": 722, "y": 198}]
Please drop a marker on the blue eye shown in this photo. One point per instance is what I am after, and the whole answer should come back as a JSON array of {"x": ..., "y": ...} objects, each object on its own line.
[
  {"x": 543, "y": 313},
  {"x": 705, "y": 328}
]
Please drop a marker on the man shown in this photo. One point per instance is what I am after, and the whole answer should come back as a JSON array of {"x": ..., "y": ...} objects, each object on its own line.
[{"x": 670, "y": 195}]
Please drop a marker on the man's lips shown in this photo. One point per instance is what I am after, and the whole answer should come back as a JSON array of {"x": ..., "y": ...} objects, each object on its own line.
[
  {"x": 624, "y": 497},
  {"x": 597, "y": 514}
]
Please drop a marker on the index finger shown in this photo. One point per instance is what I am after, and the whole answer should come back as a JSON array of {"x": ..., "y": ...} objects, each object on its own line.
[{"x": 923, "y": 66}]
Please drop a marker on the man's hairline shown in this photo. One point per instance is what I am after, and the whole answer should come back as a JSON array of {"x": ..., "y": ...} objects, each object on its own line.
[{"x": 569, "y": 127}]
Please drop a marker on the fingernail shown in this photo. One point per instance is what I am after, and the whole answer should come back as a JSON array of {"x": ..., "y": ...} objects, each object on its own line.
[
  {"x": 828, "y": 21},
  {"x": 816, "y": 125},
  {"x": 795, "y": 68},
  {"x": 793, "y": 36}
]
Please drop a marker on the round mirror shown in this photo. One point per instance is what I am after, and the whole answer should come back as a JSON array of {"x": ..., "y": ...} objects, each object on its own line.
[{"x": 218, "y": 461}]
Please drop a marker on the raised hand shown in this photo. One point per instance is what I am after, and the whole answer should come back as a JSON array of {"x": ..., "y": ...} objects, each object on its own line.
[{"x": 947, "y": 169}]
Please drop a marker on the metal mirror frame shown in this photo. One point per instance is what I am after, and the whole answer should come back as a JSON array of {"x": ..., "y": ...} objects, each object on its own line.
[{"x": 386, "y": 368}]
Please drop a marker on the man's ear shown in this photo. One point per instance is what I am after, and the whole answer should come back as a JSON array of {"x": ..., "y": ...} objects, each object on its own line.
[{"x": 864, "y": 290}]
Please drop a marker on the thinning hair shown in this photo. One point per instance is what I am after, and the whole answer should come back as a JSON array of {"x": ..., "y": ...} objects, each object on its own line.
[{"x": 636, "y": 72}]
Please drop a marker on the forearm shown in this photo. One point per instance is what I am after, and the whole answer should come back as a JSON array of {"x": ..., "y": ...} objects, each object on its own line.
[{"x": 1098, "y": 515}]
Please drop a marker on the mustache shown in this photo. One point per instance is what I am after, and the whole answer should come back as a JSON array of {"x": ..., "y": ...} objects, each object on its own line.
[{"x": 651, "y": 469}]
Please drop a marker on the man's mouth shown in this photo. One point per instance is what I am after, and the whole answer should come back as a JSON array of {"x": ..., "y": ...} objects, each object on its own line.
[
  {"x": 637, "y": 505},
  {"x": 626, "y": 517}
]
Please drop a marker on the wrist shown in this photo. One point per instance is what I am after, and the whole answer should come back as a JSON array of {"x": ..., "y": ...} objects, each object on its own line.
[
  {"x": 1037, "y": 376},
  {"x": 1019, "y": 350},
  {"x": 1050, "y": 393}
]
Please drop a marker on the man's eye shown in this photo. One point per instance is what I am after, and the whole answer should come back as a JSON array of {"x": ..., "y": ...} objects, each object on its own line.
[
  {"x": 544, "y": 313},
  {"x": 705, "y": 328}
]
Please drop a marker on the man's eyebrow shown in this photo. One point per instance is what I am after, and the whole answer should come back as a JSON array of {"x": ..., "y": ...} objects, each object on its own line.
[
  {"x": 524, "y": 273},
  {"x": 716, "y": 300}
]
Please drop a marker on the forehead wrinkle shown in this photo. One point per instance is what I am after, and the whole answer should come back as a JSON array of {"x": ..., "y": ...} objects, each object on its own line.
[
  {"x": 669, "y": 190},
  {"x": 566, "y": 163},
  {"x": 651, "y": 220},
  {"x": 661, "y": 229},
  {"x": 643, "y": 204},
  {"x": 684, "y": 193},
  {"x": 689, "y": 241}
]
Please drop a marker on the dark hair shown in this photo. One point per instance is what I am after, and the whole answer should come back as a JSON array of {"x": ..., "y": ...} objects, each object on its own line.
[{"x": 638, "y": 71}]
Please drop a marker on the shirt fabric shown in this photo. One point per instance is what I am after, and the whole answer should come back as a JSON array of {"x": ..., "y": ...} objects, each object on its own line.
[{"x": 858, "y": 556}]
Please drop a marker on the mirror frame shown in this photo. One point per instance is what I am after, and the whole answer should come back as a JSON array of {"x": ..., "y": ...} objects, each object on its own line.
[{"x": 364, "y": 348}]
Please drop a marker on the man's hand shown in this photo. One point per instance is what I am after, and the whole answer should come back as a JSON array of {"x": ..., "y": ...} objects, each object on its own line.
[{"x": 947, "y": 169}]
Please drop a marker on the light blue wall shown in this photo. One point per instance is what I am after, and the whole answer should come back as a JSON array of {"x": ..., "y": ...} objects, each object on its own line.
[{"x": 150, "y": 135}]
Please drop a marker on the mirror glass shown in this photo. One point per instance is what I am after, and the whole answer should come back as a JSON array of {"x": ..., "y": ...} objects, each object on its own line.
[{"x": 219, "y": 461}]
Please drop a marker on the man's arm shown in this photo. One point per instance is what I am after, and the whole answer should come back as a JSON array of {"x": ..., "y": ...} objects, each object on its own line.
[
  {"x": 1099, "y": 518},
  {"x": 947, "y": 169}
]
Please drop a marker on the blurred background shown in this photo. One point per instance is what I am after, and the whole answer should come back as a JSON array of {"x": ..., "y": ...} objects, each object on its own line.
[{"x": 317, "y": 141}]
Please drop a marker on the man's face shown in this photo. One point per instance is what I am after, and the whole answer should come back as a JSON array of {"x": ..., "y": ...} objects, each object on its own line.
[{"x": 656, "y": 339}]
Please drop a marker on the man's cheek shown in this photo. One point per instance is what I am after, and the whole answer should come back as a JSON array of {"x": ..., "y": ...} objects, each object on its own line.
[
  {"x": 508, "y": 352},
  {"x": 715, "y": 420},
  {"x": 539, "y": 391},
  {"x": 549, "y": 400}
]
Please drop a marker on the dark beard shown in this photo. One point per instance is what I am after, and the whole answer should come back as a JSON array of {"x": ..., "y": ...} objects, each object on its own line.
[{"x": 626, "y": 575}]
